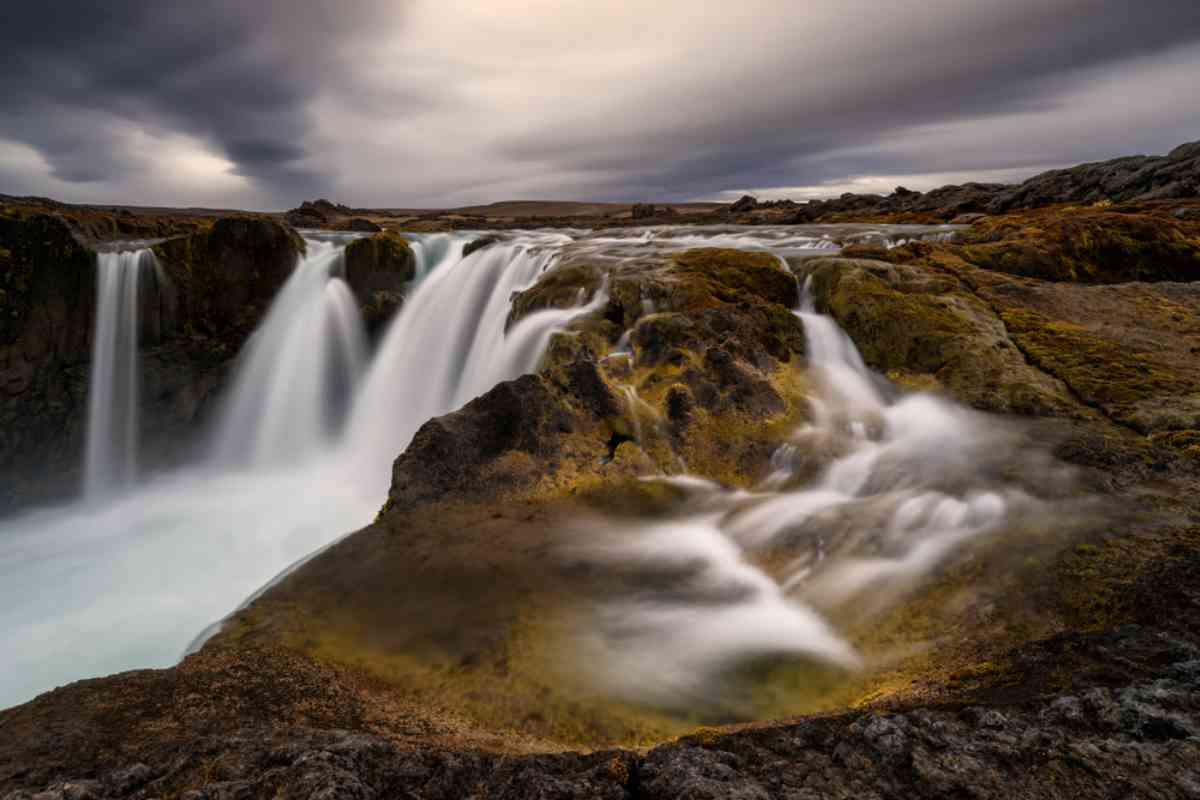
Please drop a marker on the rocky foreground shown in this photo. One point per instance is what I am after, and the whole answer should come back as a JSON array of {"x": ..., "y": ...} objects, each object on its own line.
[{"x": 417, "y": 657}]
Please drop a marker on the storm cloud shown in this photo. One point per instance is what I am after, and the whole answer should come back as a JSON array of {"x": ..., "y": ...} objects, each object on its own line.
[{"x": 443, "y": 102}]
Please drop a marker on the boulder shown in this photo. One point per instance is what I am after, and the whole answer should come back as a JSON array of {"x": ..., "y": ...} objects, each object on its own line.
[
  {"x": 378, "y": 269},
  {"x": 643, "y": 211},
  {"x": 505, "y": 441},
  {"x": 383, "y": 262},
  {"x": 479, "y": 244}
]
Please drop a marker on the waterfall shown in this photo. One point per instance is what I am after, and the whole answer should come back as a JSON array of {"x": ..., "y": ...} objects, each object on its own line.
[
  {"x": 302, "y": 451},
  {"x": 449, "y": 344},
  {"x": 110, "y": 461},
  {"x": 308, "y": 353},
  {"x": 301, "y": 456}
]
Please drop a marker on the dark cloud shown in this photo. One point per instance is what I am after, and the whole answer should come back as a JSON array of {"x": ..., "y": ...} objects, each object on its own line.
[
  {"x": 420, "y": 102},
  {"x": 236, "y": 76},
  {"x": 1000, "y": 59}
]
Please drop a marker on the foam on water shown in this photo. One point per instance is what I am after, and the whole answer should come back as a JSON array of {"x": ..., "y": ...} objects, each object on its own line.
[{"x": 909, "y": 484}]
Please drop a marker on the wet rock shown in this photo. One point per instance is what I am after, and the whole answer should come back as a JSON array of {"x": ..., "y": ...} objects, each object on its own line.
[
  {"x": 478, "y": 244},
  {"x": 906, "y": 319},
  {"x": 664, "y": 339},
  {"x": 228, "y": 274},
  {"x": 680, "y": 405},
  {"x": 380, "y": 262},
  {"x": 47, "y": 292},
  {"x": 378, "y": 270},
  {"x": 740, "y": 388},
  {"x": 498, "y": 443},
  {"x": 643, "y": 211}
]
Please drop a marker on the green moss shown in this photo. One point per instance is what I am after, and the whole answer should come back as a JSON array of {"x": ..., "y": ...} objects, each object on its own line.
[
  {"x": 1181, "y": 440},
  {"x": 1100, "y": 371},
  {"x": 730, "y": 272},
  {"x": 894, "y": 330},
  {"x": 1095, "y": 580},
  {"x": 387, "y": 251},
  {"x": 1086, "y": 245}
]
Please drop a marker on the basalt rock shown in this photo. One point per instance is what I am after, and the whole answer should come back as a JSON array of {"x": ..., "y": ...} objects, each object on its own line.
[
  {"x": 1006, "y": 343},
  {"x": 378, "y": 269},
  {"x": 195, "y": 311},
  {"x": 508, "y": 440},
  {"x": 227, "y": 275},
  {"x": 478, "y": 244},
  {"x": 48, "y": 297}
]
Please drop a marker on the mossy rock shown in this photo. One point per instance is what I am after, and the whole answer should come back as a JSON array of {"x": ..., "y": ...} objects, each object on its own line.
[
  {"x": 730, "y": 272},
  {"x": 381, "y": 262},
  {"x": 930, "y": 328},
  {"x": 1087, "y": 246},
  {"x": 224, "y": 278},
  {"x": 1137, "y": 387}
]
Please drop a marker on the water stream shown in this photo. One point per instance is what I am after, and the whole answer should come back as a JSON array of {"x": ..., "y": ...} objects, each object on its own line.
[
  {"x": 110, "y": 458},
  {"x": 302, "y": 452}
]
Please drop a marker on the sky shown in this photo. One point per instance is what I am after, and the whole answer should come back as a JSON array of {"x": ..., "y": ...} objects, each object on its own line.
[{"x": 436, "y": 103}]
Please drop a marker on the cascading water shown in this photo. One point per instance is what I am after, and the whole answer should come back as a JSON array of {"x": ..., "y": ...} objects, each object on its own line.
[
  {"x": 449, "y": 345},
  {"x": 129, "y": 583},
  {"x": 310, "y": 350},
  {"x": 761, "y": 573},
  {"x": 109, "y": 586},
  {"x": 110, "y": 460}
]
